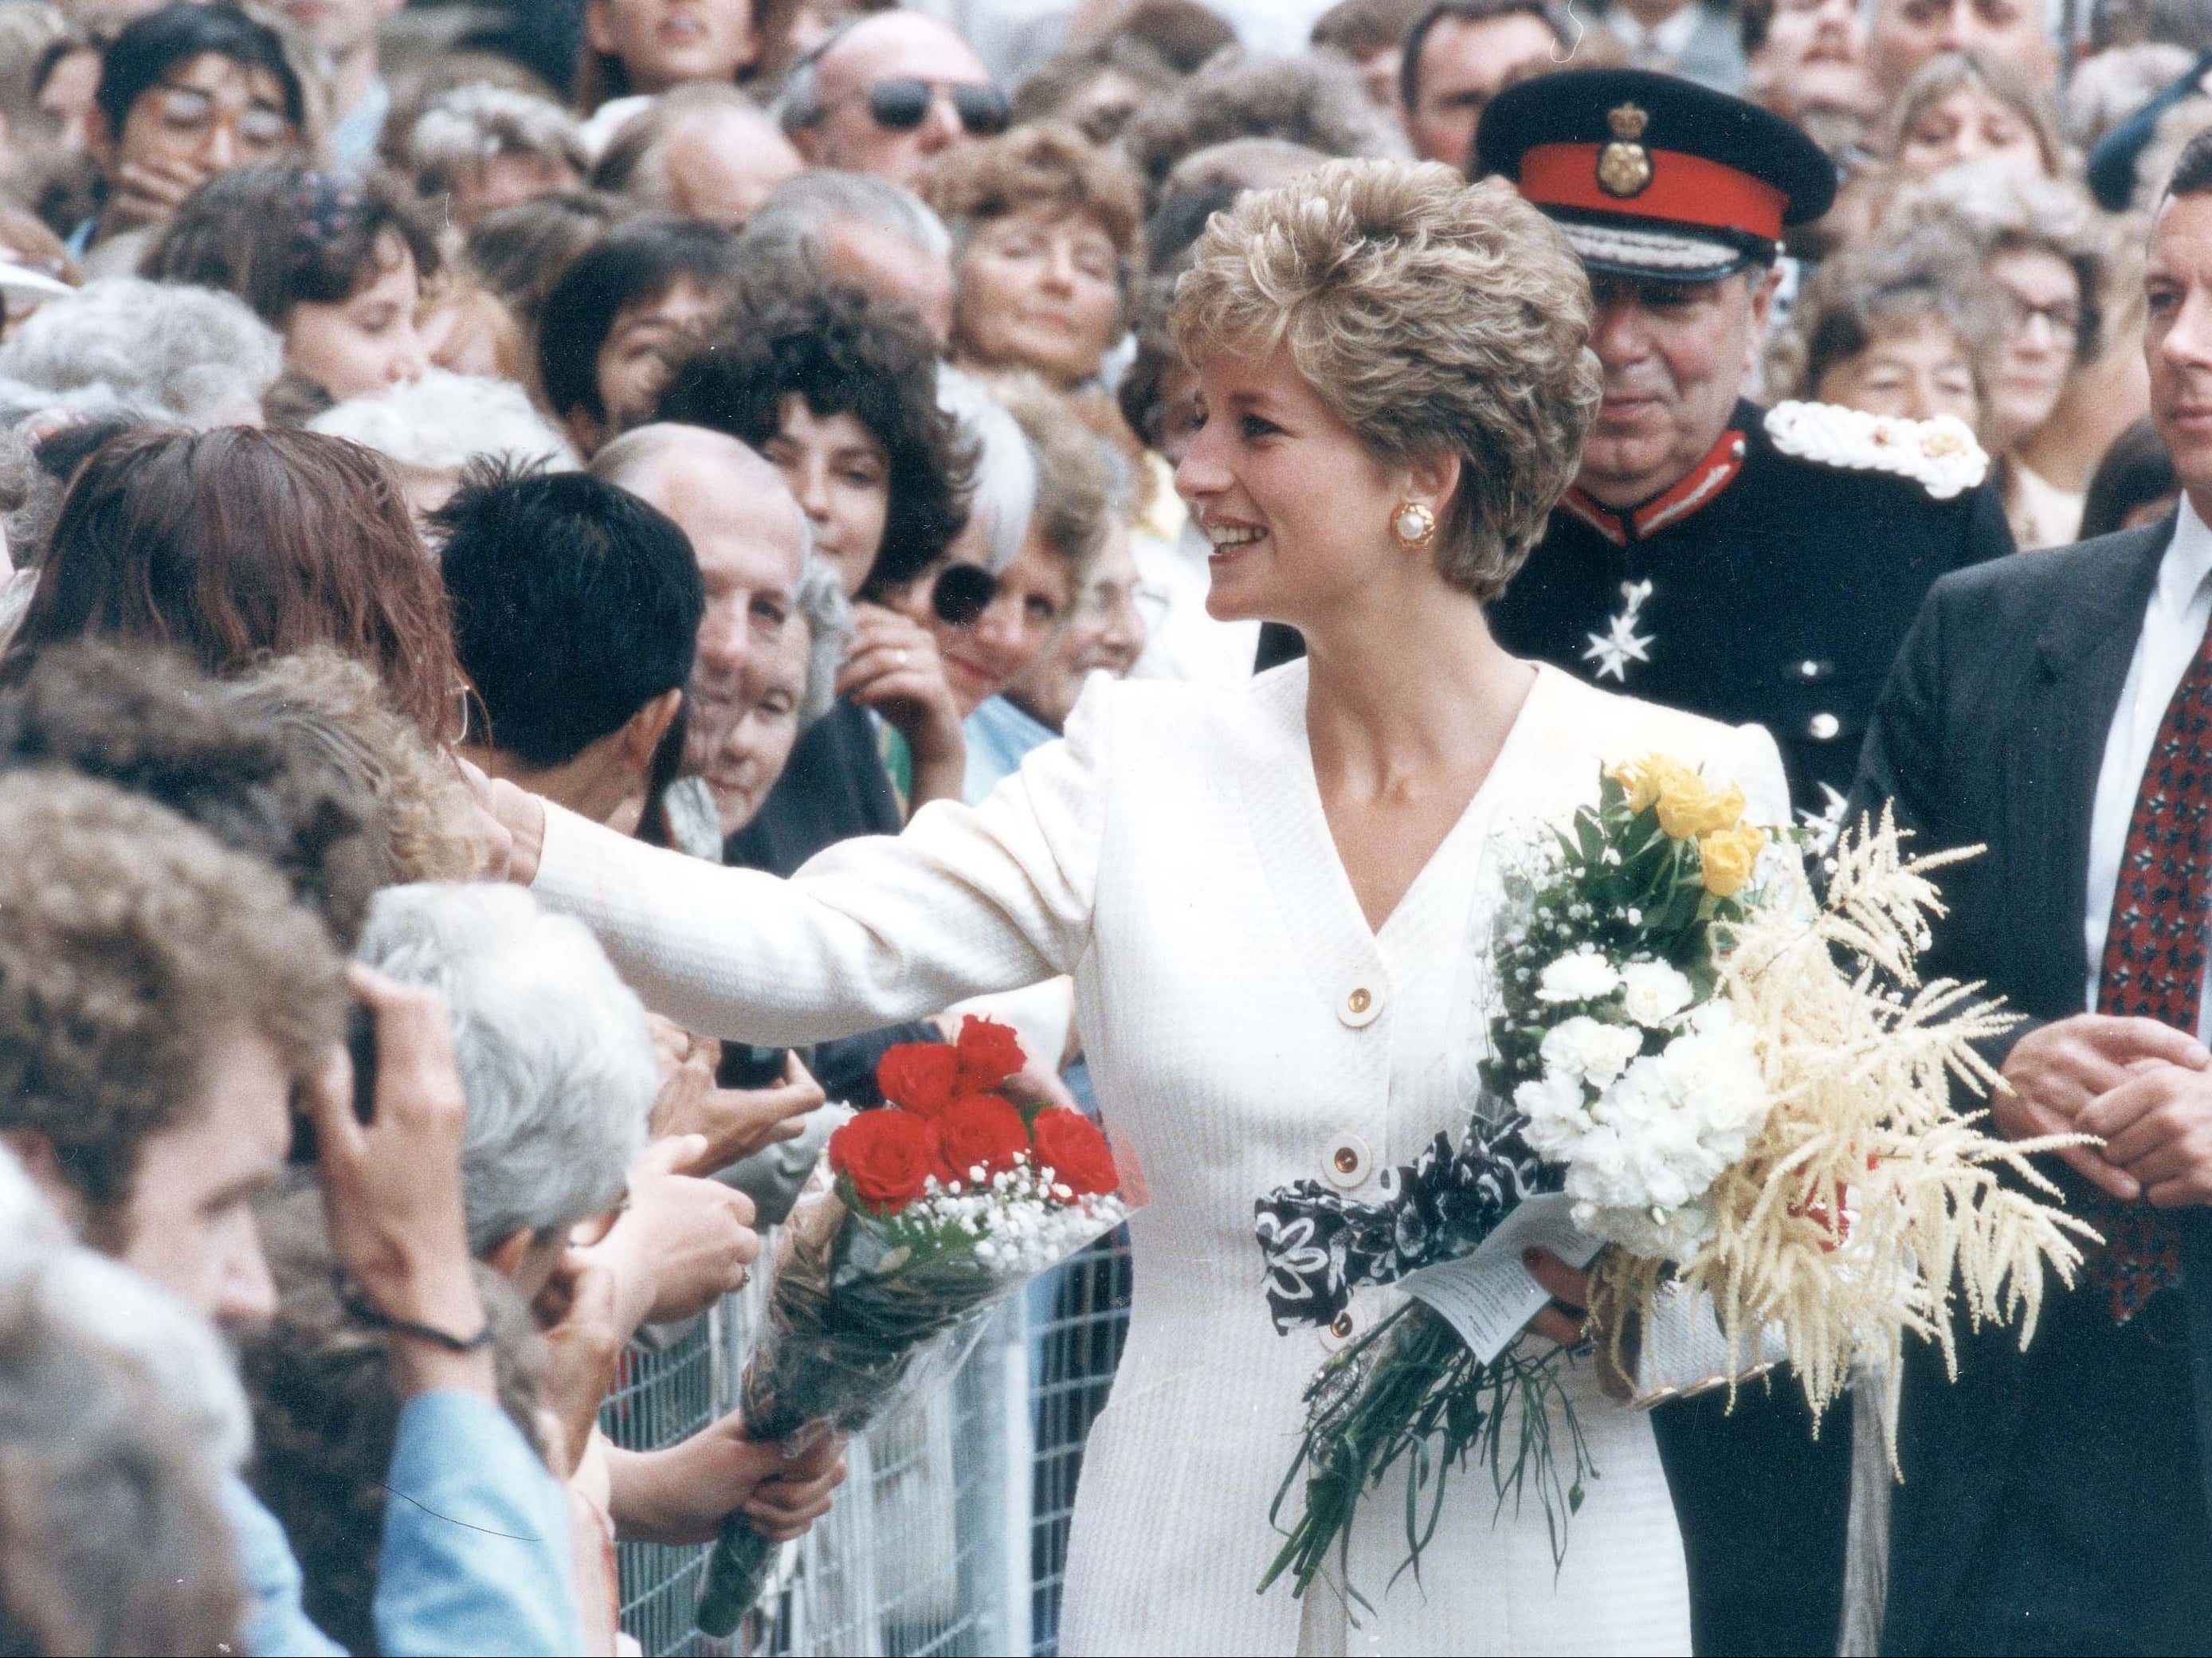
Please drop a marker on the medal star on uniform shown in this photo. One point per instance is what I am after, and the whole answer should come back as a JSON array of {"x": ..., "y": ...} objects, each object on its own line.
[{"x": 1620, "y": 643}]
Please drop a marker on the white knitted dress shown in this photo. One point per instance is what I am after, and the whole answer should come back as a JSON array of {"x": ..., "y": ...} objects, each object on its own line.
[{"x": 1244, "y": 1026}]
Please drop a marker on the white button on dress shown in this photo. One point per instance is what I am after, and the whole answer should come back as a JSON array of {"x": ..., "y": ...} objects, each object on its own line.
[{"x": 1347, "y": 1162}]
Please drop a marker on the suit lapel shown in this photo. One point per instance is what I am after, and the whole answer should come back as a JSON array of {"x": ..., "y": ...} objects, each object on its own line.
[{"x": 2081, "y": 664}]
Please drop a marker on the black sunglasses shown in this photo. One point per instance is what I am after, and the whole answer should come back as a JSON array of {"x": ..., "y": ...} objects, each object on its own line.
[
  {"x": 963, "y": 593},
  {"x": 900, "y": 105}
]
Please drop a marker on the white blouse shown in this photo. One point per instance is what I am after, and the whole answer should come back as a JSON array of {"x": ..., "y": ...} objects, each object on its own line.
[{"x": 1244, "y": 1026}]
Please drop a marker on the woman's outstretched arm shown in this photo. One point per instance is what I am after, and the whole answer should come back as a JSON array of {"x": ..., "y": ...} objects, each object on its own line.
[{"x": 966, "y": 901}]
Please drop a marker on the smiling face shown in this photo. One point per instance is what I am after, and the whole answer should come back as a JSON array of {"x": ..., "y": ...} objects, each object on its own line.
[
  {"x": 369, "y": 342},
  {"x": 1917, "y": 371},
  {"x": 840, "y": 477},
  {"x": 1039, "y": 290},
  {"x": 2178, "y": 338},
  {"x": 1675, "y": 356},
  {"x": 1967, "y": 125},
  {"x": 2041, "y": 342},
  {"x": 664, "y": 43},
  {"x": 1296, "y": 507},
  {"x": 1023, "y": 621}
]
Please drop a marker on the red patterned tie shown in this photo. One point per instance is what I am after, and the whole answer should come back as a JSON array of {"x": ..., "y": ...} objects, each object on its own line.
[{"x": 2154, "y": 952}]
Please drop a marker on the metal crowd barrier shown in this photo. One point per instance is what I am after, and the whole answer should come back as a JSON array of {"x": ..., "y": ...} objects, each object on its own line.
[{"x": 951, "y": 1535}]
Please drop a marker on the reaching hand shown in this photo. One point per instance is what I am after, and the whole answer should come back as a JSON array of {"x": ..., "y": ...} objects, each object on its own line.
[
  {"x": 510, "y": 825},
  {"x": 392, "y": 1189},
  {"x": 2054, "y": 1073},
  {"x": 682, "y": 1244},
  {"x": 576, "y": 1312},
  {"x": 735, "y": 1122},
  {"x": 679, "y": 1495}
]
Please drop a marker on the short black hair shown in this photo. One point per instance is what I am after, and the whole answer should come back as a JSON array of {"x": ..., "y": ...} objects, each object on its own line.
[
  {"x": 156, "y": 43},
  {"x": 2135, "y": 472},
  {"x": 846, "y": 352},
  {"x": 574, "y": 605},
  {"x": 634, "y": 264}
]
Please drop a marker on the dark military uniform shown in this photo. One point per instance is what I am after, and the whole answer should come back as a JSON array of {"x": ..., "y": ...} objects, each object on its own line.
[
  {"x": 1760, "y": 586},
  {"x": 1779, "y": 600}
]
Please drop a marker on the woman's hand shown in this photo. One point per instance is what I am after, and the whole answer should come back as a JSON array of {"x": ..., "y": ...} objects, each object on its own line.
[
  {"x": 681, "y": 1245},
  {"x": 679, "y": 1495},
  {"x": 1566, "y": 1321},
  {"x": 893, "y": 668}
]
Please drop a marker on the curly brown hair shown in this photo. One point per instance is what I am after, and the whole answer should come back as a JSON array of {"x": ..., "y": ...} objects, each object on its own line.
[
  {"x": 236, "y": 545},
  {"x": 131, "y": 942}
]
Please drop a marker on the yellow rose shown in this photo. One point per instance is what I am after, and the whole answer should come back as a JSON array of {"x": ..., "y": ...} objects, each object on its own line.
[
  {"x": 1728, "y": 856},
  {"x": 1706, "y": 813},
  {"x": 1644, "y": 779}
]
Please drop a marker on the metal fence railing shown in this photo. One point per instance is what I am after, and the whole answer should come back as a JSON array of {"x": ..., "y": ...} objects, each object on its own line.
[{"x": 951, "y": 1534}]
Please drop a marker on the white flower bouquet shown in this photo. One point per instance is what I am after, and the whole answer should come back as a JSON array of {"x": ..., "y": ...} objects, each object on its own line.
[
  {"x": 1718, "y": 1085},
  {"x": 927, "y": 1215}
]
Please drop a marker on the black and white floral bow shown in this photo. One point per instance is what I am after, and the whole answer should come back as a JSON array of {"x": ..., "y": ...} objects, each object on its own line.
[{"x": 1319, "y": 1245}]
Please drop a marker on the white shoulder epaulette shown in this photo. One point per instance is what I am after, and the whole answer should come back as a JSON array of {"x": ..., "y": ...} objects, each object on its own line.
[{"x": 1940, "y": 455}]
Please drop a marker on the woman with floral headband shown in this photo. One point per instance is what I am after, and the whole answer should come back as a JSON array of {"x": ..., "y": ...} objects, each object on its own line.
[{"x": 337, "y": 265}]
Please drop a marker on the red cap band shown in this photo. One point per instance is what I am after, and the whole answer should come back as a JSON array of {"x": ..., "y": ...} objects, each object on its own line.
[{"x": 1684, "y": 190}]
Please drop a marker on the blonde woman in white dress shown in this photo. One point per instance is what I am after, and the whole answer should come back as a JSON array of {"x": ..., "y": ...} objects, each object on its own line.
[{"x": 1273, "y": 901}]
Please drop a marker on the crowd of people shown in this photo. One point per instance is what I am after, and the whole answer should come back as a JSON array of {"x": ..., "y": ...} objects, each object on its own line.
[{"x": 743, "y": 424}]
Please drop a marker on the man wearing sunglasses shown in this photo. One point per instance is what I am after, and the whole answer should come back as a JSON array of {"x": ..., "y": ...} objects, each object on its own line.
[{"x": 887, "y": 94}]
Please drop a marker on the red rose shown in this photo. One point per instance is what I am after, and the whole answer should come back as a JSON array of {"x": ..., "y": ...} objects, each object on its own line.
[
  {"x": 920, "y": 1076},
  {"x": 981, "y": 1129},
  {"x": 888, "y": 1155},
  {"x": 1069, "y": 1144},
  {"x": 989, "y": 1054}
]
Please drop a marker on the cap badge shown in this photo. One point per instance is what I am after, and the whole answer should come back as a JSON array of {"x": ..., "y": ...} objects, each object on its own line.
[{"x": 1624, "y": 167}]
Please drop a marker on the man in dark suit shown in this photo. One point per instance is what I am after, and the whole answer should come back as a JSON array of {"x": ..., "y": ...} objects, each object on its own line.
[{"x": 2057, "y": 708}]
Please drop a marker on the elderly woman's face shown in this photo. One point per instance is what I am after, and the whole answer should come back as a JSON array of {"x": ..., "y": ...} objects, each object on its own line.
[
  {"x": 1298, "y": 510},
  {"x": 2041, "y": 343},
  {"x": 1106, "y": 632},
  {"x": 751, "y": 756},
  {"x": 1917, "y": 371},
  {"x": 841, "y": 479},
  {"x": 1968, "y": 124},
  {"x": 1023, "y": 621},
  {"x": 1039, "y": 291}
]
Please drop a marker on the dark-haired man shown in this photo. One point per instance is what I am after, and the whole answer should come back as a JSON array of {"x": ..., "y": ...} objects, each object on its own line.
[
  {"x": 2055, "y": 707},
  {"x": 1460, "y": 54},
  {"x": 1750, "y": 567},
  {"x": 185, "y": 93},
  {"x": 576, "y": 611}
]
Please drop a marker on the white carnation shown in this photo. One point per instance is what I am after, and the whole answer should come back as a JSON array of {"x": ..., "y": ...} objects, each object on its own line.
[
  {"x": 1589, "y": 1050},
  {"x": 1654, "y": 992},
  {"x": 1557, "y": 1115},
  {"x": 1582, "y": 976}
]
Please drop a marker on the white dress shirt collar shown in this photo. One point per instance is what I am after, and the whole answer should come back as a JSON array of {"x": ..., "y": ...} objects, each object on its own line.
[{"x": 2188, "y": 562}]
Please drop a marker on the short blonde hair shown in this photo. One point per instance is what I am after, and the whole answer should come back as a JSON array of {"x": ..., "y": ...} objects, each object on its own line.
[
  {"x": 1429, "y": 315},
  {"x": 1050, "y": 168}
]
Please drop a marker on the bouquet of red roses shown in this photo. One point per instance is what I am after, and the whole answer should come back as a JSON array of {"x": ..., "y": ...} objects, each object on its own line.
[{"x": 927, "y": 1215}]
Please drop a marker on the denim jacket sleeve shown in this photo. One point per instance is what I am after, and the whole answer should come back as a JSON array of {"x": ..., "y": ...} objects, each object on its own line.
[{"x": 476, "y": 1556}]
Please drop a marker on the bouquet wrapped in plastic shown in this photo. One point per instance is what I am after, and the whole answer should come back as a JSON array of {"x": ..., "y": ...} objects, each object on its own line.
[
  {"x": 935, "y": 1210},
  {"x": 1729, "y": 1091}
]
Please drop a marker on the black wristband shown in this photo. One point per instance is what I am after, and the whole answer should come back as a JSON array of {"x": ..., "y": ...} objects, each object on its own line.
[{"x": 355, "y": 1301}]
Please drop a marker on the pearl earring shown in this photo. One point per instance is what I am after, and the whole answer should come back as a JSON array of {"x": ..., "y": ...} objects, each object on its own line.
[{"x": 1415, "y": 526}]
